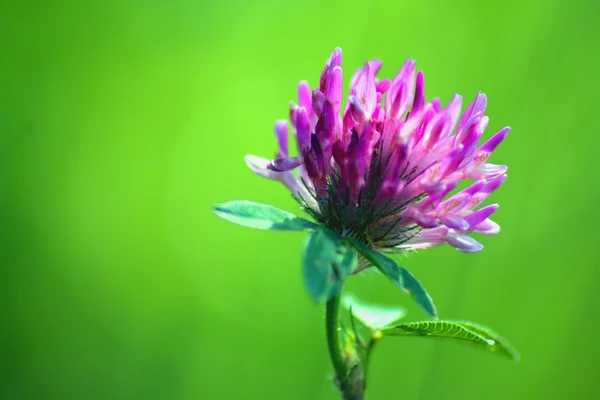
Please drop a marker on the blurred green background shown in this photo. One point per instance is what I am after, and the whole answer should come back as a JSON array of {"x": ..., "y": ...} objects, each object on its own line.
[{"x": 122, "y": 123}]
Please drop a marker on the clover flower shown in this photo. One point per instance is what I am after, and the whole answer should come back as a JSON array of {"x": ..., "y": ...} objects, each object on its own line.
[
  {"x": 381, "y": 171},
  {"x": 379, "y": 177}
]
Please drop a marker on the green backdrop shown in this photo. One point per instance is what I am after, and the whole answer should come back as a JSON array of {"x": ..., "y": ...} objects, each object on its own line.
[{"x": 122, "y": 123}]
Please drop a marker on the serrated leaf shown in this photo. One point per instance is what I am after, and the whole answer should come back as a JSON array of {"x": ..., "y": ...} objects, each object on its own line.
[
  {"x": 261, "y": 216},
  {"x": 327, "y": 262},
  {"x": 373, "y": 316},
  {"x": 457, "y": 330},
  {"x": 399, "y": 275}
]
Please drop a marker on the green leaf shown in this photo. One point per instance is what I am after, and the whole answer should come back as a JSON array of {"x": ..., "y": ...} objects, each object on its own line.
[
  {"x": 399, "y": 275},
  {"x": 374, "y": 316},
  {"x": 414, "y": 289},
  {"x": 327, "y": 262},
  {"x": 457, "y": 330},
  {"x": 501, "y": 345},
  {"x": 261, "y": 216}
]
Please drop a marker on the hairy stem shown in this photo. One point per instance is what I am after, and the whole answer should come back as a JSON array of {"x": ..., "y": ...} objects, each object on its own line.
[{"x": 349, "y": 379}]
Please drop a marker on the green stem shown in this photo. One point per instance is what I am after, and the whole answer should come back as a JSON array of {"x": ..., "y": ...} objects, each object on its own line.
[
  {"x": 333, "y": 339},
  {"x": 350, "y": 386}
]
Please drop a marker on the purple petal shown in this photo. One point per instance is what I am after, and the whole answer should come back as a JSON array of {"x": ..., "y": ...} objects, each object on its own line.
[
  {"x": 434, "y": 200},
  {"x": 494, "y": 184},
  {"x": 424, "y": 221},
  {"x": 305, "y": 98},
  {"x": 477, "y": 217},
  {"x": 470, "y": 139},
  {"x": 325, "y": 130},
  {"x": 427, "y": 238},
  {"x": 315, "y": 166},
  {"x": 292, "y": 182},
  {"x": 476, "y": 108},
  {"x": 412, "y": 124},
  {"x": 465, "y": 117},
  {"x": 335, "y": 60},
  {"x": 299, "y": 118},
  {"x": 454, "y": 222},
  {"x": 357, "y": 111},
  {"x": 378, "y": 113},
  {"x": 494, "y": 141},
  {"x": 402, "y": 92},
  {"x": 391, "y": 175},
  {"x": 334, "y": 88},
  {"x": 439, "y": 128},
  {"x": 285, "y": 164},
  {"x": 454, "y": 203},
  {"x": 419, "y": 101},
  {"x": 463, "y": 243},
  {"x": 358, "y": 75},
  {"x": 474, "y": 188},
  {"x": 364, "y": 89},
  {"x": 376, "y": 64},
  {"x": 320, "y": 162},
  {"x": 454, "y": 159},
  {"x": 340, "y": 156},
  {"x": 485, "y": 171},
  {"x": 318, "y": 98},
  {"x": 480, "y": 104},
  {"x": 356, "y": 165},
  {"x": 453, "y": 109},
  {"x": 383, "y": 85},
  {"x": 348, "y": 122},
  {"x": 488, "y": 228},
  {"x": 281, "y": 133},
  {"x": 431, "y": 188},
  {"x": 426, "y": 115},
  {"x": 367, "y": 141}
]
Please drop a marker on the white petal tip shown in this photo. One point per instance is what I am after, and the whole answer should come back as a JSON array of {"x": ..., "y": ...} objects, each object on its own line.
[{"x": 258, "y": 165}]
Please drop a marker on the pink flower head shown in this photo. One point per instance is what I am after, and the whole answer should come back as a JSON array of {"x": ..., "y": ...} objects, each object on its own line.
[{"x": 382, "y": 170}]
